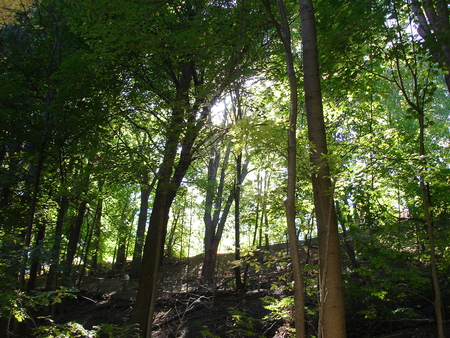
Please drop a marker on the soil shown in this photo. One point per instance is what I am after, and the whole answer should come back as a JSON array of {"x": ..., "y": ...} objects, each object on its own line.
[
  {"x": 186, "y": 307},
  {"x": 190, "y": 309}
]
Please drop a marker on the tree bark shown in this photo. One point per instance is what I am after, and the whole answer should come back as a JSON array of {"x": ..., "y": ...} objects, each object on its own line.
[
  {"x": 52, "y": 278},
  {"x": 96, "y": 231},
  {"x": 425, "y": 192},
  {"x": 332, "y": 310},
  {"x": 215, "y": 218},
  {"x": 33, "y": 202},
  {"x": 240, "y": 174},
  {"x": 284, "y": 34},
  {"x": 433, "y": 18},
  {"x": 182, "y": 132},
  {"x": 142, "y": 224},
  {"x": 34, "y": 257},
  {"x": 73, "y": 241}
]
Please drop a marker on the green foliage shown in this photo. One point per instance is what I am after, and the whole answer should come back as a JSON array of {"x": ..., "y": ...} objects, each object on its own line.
[
  {"x": 279, "y": 308},
  {"x": 206, "y": 334},
  {"x": 118, "y": 331},
  {"x": 96, "y": 83},
  {"x": 72, "y": 329},
  {"x": 18, "y": 304},
  {"x": 243, "y": 325}
]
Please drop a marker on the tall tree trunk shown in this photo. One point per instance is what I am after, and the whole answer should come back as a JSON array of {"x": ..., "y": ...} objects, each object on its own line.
[
  {"x": 35, "y": 257},
  {"x": 332, "y": 310},
  {"x": 433, "y": 18},
  {"x": 87, "y": 246},
  {"x": 284, "y": 34},
  {"x": 37, "y": 171},
  {"x": 214, "y": 217},
  {"x": 439, "y": 23},
  {"x": 237, "y": 227},
  {"x": 52, "y": 278},
  {"x": 425, "y": 192},
  {"x": 142, "y": 224},
  {"x": 96, "y": 229},
  {"x": 240, "y": 174},
  {"x": 151, "y": 259},
  {"x": 73, "y": 241},
  {"x": 183, "y": 124},
  {"x": 348, "y": 244},
  {"x": 212, "y": 240},
  {"x": 173, "y": 229}
]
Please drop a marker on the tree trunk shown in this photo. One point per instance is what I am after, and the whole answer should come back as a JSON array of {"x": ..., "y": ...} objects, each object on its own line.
[
  {"x": 11, "y": 162},
  {"x": 171, "y": 237},
  {"x": 73, "y": 241},
  {"x": 96, "y": 231},
  {"x": 151, "y": 258},
  {"x": 215, "y": 218},
  {"x": 297, "y": 268},
  {"x": 35, "y": 257},
  {"x": 182, "y": 132},
  {"x": 37, "y": 170},
  {"x": 212, "y": 241},
  {"x": 87, "y": 246},
  {"x": 332, "y": 310},
  {"x": 433, "y": 18},
  {"x": 348, "y": 244},
  {"x": 284, "y": 33},
  {"x": 237, "y": 228},
  {"x": 241, "y": 172},
  {"x": 425, "y": 192},
  {"x": 52, "y": 278},
  {"x": 142, "y": 224}
]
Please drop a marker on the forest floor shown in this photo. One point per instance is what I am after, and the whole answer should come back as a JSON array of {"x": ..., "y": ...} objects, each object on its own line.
[{"x": 197, "y": 311}]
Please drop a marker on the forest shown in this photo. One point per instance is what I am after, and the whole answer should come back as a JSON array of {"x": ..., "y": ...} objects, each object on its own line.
[{"x": 224, "y": 168}]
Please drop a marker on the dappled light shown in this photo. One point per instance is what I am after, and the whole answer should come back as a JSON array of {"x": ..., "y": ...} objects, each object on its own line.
[{"x": 224, "y": 169}]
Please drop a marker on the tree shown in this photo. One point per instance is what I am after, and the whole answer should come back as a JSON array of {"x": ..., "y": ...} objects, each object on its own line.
[
  {"x": 417, "y": 90},
  {"x": 217, "y": 208},
  {"x": 332, "y": 310},
  {"x": 283, "y": 32},
  {"x": 142, "y": 224},
  {"x": 434, "y": 25},
  {"x": 184, "y": 126}
]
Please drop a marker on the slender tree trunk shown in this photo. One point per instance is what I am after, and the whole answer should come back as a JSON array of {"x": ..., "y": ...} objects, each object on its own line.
[
  {"x": 96, "y": 229},
  {"x": 433, "y": 19},
  {"x": 33, "y": 202},
  {"x": 171, "y": 237},
  {"x": 52, "y": 278},
  {"x": 332, "y": 310},
  {"x": 237, "y": 227},
  {"x": 283, "y": 31},
  {"x": 170, "y": 176},
  {"x": 212, "y": 241},
  {"x": 348, "y": 244},
  {"x": 11, "y": 162},
  {"x": 88, "y": 242},
  {"x": 73, "y": 240},
  {"x": 34, "y": 257},
  {"x": 215, "y": 218},
  {"x": 425, "y": 192},
  {"x": 142, "y": 224},
  {"x": 241, "y": 171},
  {"x": 122, "y": 238},
  {"x": 151, "y": 259}
]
